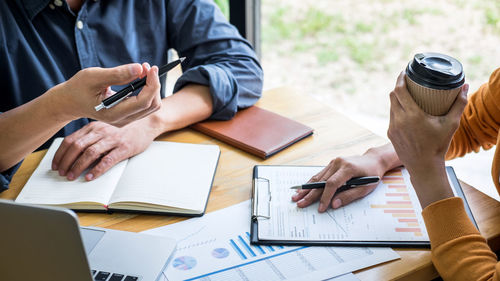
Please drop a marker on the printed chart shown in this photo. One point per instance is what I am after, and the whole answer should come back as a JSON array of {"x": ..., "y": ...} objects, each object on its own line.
[
  {"x": 391, "y": 212},
  {"x": 399, "y": 205},
  {"x": 184, "y": 263},
  {"x": 217, "y": 247},
  {"x": 242, "y": 247},
  {"x": 220, "y": 253}
]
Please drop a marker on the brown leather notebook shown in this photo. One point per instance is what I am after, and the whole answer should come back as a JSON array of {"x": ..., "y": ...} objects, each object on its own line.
[{"x": 256, "y": 131}]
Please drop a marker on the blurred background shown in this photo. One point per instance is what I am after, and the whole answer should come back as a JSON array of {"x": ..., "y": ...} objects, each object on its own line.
[{"x": 347, "y": 54}]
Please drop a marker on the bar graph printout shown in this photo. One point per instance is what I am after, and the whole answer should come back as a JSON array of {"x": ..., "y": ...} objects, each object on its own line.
[
  {"x": 391, "y": 212},
  {"x": 216, "y": 247}
]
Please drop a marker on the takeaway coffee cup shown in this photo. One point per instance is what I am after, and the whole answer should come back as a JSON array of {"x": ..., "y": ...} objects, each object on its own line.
[{"x": 434, "y": 80}]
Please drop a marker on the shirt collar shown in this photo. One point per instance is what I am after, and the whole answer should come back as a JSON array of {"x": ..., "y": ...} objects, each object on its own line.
[{"x": 33, "y": 7}]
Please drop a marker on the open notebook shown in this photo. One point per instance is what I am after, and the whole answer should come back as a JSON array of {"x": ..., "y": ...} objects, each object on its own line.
[{"x": 168, "y": 177}]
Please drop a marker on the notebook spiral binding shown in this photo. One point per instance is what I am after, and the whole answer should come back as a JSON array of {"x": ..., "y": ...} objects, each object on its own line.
[{"x": 255, "y": 198}]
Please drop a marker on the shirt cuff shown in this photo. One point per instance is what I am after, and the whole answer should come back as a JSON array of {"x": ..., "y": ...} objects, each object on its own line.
[
  {"x": 446, "y": 220},
  {"x": 222, "y": 86},
  {"x": 6, "y": 177}
]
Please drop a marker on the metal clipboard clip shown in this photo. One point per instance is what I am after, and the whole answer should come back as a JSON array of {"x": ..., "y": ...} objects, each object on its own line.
[{"x": 258, "y": 195}]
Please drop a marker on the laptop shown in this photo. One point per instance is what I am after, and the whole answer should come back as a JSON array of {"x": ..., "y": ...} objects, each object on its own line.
[{"x": 46, "y": 243}]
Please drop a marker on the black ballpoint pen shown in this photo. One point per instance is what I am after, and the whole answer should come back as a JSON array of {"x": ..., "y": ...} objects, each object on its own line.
[
  {"x": 348, "y": 185},
  {"x": 127, "y": 91}
]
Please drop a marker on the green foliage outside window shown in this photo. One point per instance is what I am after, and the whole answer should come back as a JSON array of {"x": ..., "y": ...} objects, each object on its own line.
[{"x": 224, "y": 7}]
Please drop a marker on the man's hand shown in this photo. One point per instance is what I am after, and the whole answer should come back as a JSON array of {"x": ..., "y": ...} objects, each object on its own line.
[
  {"x": 87, "y": 88},
  {"x": 100, "y": 144},
  {"x": 375, "y": 162}
]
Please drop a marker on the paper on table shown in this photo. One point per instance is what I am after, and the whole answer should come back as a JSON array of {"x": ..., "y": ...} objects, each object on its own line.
[
  {"x": 40, "y": 188},
  {"x": 345, "y": 277},
  {"x": 217, "y": 246},
  {"x": 170, "y": 183},
  {"x": 391, "y": 212}
]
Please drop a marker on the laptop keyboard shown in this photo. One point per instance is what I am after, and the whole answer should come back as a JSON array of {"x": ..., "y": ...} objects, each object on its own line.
[{"x": 108, "y": 276}]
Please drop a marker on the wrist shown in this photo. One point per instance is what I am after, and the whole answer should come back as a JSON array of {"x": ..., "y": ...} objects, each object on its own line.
[
  {"x": 191, "y": 104},
  {"x": 428, "y": 167},
  {"x": 157, "y": 123},
  {"x": 385, "y": 157},
  {"x": 60, "y": 105},
  {"x": 431, "y": 184}
]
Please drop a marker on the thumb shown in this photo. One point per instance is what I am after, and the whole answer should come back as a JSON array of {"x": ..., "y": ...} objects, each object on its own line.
[
  {"x": 460, "y": 102},
  {"x": 119, "y": 75}
]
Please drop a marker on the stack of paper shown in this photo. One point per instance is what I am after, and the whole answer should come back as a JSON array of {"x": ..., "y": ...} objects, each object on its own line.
[{"x": 217, "y": 247}]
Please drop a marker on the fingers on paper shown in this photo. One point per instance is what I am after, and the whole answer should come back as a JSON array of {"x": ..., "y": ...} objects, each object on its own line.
[
  {"x": 106, "y": 162},
  {"x": 91, "y": 155},
  {"x": 301, "y": 193},
  {"x": 353, "y": 194},
  {"x": 71, "y": 147},
  {"x": 310, "y": 198},
  {"x": 332, "y": 184},
  {"x": 340, "y": 171}
]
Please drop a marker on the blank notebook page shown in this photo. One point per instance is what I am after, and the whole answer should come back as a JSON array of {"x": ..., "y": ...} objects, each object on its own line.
[
  {"x": 46, "y": 186},
  {"x": 177, "y": 175}
]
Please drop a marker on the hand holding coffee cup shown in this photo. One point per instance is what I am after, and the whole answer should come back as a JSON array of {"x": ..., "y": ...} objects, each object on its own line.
[{"x": 434, "y": 80}]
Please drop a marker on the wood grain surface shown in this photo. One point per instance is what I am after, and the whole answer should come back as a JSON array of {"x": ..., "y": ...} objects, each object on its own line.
[{"x": 334, "y": 135}]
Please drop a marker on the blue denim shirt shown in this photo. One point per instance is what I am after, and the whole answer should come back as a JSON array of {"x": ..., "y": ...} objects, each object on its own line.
[{"x": 44, "y": 43}]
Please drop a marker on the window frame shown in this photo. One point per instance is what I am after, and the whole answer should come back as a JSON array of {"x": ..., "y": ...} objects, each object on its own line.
[{"x": 245, "y": 16}]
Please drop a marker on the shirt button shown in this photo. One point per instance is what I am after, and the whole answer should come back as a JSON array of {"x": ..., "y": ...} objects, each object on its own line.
[
  {"x": 52, "y": 6},
  {"x": 79, "y": 24},
  {"x": 58, "y": 3}
]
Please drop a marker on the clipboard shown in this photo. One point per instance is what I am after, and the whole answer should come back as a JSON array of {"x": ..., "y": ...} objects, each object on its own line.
[{"x": 262, "y": 201}]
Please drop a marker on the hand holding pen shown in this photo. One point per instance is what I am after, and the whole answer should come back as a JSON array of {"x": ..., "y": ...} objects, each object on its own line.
[
  {"x": 354, "y": 182},
  {"x": 78, "y": 95},
  {"x": 350, "y": 184},
  {"x": 338, "y": 172},
  {"x": 128, "y": 90}
]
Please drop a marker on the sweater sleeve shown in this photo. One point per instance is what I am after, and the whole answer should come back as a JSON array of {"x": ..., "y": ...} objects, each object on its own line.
[
  {"x": 459, "y": 252},
  {"x": 480, "y": 120}
]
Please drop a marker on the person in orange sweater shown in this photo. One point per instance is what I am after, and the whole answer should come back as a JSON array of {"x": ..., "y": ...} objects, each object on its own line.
[{"x": 421, "y": 143}]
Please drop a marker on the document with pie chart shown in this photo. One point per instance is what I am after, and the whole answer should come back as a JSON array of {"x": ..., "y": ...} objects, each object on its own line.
[{"x": 217, "y": 247}]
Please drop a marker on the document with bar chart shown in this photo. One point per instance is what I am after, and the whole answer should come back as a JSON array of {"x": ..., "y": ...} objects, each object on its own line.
[
  {"x": 217, "y": 247},
  {"x": 390, "y": 215}
]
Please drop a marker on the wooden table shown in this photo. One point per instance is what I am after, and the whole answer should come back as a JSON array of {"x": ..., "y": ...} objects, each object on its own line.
[{"x": 334, "y": 135}]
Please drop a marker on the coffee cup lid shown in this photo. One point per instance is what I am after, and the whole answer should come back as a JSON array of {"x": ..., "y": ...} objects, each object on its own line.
[{"x": 436, "y": 71}]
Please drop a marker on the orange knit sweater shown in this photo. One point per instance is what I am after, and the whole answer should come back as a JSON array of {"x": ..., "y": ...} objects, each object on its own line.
[{"x": 459, "y": 252}]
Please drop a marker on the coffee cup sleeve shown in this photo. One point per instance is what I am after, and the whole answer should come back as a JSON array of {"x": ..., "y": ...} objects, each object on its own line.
[{"x": 434, "y": 102}]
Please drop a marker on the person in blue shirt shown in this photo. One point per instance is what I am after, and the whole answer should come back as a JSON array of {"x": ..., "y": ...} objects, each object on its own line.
[{"x": 54, "y": 56}]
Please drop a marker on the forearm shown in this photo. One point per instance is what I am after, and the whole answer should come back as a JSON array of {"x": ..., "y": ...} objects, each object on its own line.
[
  {"x": 189, "y": 105},
  {"x": 386, "y": 157},
  {"x": 430, "y": 181},
  {"x": 27, "y": 127}
]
